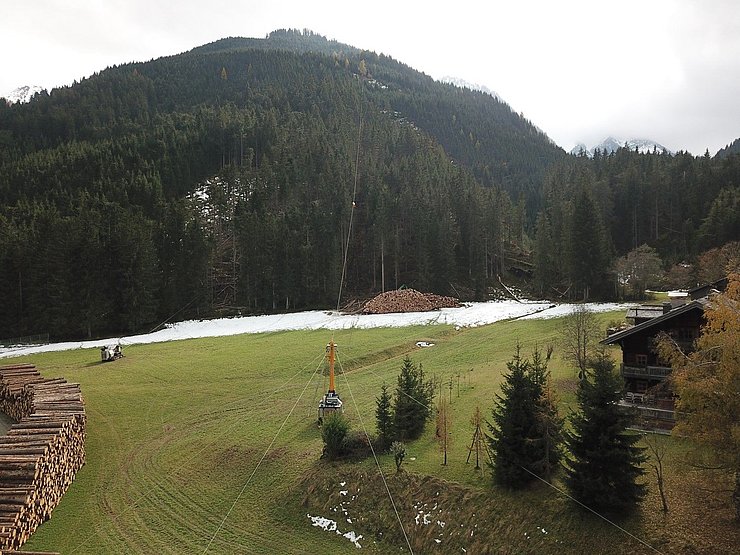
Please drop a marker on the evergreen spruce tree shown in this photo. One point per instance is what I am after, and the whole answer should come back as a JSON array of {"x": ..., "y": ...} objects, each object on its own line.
[
  {"x": 412, "y": 402},
  {"x": 545, "y": 271},
  {"x": 334, "y": 430},
  {"x": 514, "y": 429},
  {"x": 384, "y": 418},
  {"x": 604, "y": 465},
  {"x": 586, "y": 247},
  {"x": 549, "y": 431}
]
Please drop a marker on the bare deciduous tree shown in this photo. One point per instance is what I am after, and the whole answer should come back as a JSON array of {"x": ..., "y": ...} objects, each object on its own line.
[
  {"x": 444, "y": 426},
  {"x": 658, "y": 448},
  {"x": 579, "y": 334},
  {"x": 479, "y": 442},
  {"x": 639, "y": 269}
]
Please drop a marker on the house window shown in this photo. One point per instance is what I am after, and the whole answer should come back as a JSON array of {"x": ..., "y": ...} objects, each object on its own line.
[
  {"x": 641, "y": 360},
  {"x": 687, "y": 334}
]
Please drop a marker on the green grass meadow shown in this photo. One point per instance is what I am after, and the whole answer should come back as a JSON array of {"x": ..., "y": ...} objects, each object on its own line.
[{"x": 202, "y": 446}]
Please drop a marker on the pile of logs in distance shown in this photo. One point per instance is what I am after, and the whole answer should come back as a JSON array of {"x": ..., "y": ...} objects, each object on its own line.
[
  {"x": 407, "y": 300},
  {"x": 42, "y": 451}
]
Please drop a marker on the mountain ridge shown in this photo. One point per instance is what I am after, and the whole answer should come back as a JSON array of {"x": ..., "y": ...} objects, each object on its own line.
[
  {"x": 463, "y": 84},
  {"x": 504, "y": 138},
  {"x": 103, "y": 173},
  {"x": 730, "y": 149},
  {"x": 22, "y": 94},
  {"x": 611, "y": 144}
]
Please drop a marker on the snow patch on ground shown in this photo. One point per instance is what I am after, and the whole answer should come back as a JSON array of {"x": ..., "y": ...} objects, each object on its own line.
[
  {"x": 556, "y": 311},
  {"x": 469, "y": 315},
  {"x": 331, "y": 526}
]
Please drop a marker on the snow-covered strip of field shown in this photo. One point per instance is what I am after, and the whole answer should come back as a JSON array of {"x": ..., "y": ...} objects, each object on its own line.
[
  {"x": 556, "y": 311},
  {"x": 470, "y": 315}
]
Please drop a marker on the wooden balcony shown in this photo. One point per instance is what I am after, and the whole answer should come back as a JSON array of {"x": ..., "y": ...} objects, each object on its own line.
[
  {"x": 652, "y": 413},
  {"x": 646, "y": 372}
]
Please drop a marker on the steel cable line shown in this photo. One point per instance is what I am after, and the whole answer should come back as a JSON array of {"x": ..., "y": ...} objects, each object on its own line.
[
  {"x": 377, "y": 463},
  {"x": 354, "y": 192},
  {"x": 166, "y": 320},
  {"x": 312, "y": 376},
  {"x": 262, "y": 458},
  {"x": 215, "y": 439},
  {"x": 553, "y": 486}
]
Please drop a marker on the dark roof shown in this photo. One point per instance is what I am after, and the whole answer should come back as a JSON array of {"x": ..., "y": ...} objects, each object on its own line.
[
  {"x": 703, "y": 290},
  {"x": 645, "y": 311},
  {"x": 698, "y": 304}
]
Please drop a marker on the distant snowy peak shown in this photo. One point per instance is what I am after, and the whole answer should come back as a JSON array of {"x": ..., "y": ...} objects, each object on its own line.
[
  {"x": 23, "y": 94},
  {"x": 646, "y": 146},
  {"x": 610, "y": 144},
  {"x": 579, "y": 149},
  {"x": 472, "y": 86}
]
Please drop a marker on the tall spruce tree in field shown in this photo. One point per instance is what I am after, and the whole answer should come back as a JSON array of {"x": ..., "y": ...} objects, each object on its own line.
[
  {"x": 412, "y": 403},
  {"x": 549, "y": 431},
  {"x": 384, "y": 417},
  {"x": 514, "y": 429},
  {"x": 604, "y": 462}
]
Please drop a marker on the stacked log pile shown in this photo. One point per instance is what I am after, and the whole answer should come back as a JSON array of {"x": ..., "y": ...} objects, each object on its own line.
[
  {"x": 408, "y": 300},
  {"x": 42, "y": 451},
  {"x": 15, "y": 398}
]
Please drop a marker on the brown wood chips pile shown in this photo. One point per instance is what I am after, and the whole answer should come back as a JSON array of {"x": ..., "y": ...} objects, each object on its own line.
[{"x": 407, "y": 300}]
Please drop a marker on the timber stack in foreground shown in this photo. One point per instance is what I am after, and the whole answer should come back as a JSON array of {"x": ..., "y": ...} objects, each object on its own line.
[{"x": 42, "y": 451}]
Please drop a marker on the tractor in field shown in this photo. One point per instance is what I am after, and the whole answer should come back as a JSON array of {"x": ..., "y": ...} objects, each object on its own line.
[{"x": 109, "y": 353}]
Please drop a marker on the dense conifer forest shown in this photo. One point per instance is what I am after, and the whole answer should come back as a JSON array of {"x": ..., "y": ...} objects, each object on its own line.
[{"x": 222, "y": 180}]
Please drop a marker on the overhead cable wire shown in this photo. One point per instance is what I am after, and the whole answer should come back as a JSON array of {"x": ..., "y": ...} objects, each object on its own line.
[
  {"x": 354, "y": 194},
  {"x": 166, "y": 320},
  {"x": 377, "y": 463},
  {"x": 269, "y": 447},
  {"x": 553, "y": 486},
  {"x": 215, "y": 439}
]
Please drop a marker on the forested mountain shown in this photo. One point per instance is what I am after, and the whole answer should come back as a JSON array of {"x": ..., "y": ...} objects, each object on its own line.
[
  {"x": 222, "y": 180},
  {"x": 101, "y": 230}
]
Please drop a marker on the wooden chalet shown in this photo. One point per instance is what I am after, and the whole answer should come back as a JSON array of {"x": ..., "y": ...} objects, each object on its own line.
[{"x": 645, "y": 374}]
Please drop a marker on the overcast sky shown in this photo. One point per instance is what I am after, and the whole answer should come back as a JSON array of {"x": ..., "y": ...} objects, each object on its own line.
[{"x": 579, "y": 70}]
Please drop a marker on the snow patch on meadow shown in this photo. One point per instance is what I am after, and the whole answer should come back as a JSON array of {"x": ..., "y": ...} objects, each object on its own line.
[{"x": 469, "y": 315}]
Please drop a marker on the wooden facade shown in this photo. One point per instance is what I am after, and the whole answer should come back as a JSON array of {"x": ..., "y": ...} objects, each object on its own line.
[{"x": 645, "y": 374}]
